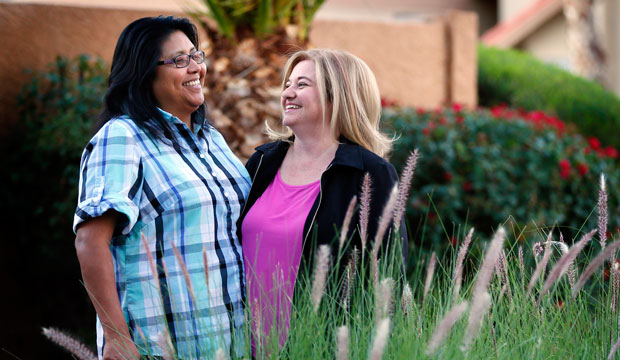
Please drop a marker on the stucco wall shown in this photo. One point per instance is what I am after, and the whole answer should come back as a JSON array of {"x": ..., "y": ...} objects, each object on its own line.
[
  {"x": 549, "y": 43},
  {"x": 424, "y": 63},
  {"x": 35, "y": 34}
]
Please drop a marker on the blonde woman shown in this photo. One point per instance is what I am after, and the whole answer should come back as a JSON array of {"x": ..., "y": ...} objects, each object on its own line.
[{"x": 304, "y": 181}]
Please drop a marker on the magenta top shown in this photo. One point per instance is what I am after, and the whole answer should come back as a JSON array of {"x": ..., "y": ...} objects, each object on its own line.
[{"x": 272, "y": 234}]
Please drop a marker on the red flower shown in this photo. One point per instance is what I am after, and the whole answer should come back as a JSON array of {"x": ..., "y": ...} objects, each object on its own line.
[
  {"x": 594, "y": 143},
  {"x": 536, "y": 116},
  {"x": 456, "y": 107},
  {"x": 467, "y": 186},
  {"x": 453, "y": 241},
  {"x": 559, "y": 304},
  {"x": 447, "y": 176},
  {"x": 442, "y": 120},
  {"x": 387, "y": 102},
  {"x": 582, "y": 169},
  {"x": 611, "y": 152},
  {"x": 429, "y": 127},
  {"x": 460, "y": 119},
  {"x": 432, "y": 216},
  {"x": 564, "y": 168},
  {"x": 421, "y": 111},
  {"x": 498, "y": 111}
]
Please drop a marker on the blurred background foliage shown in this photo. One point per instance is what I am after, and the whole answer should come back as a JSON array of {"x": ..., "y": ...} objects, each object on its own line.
[
  {"x": 235, "y": 19},
  {"x": 41, "y": 155},
  {"x": 517, "y": 79},
  {"x": 483, "y": 167}
]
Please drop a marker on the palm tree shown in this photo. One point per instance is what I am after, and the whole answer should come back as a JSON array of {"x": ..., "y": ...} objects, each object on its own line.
[{"x": 247, "y": 44}]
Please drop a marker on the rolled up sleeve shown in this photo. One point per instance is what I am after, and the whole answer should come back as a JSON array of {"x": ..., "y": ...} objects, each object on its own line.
[{"x": 110, "y": 177}]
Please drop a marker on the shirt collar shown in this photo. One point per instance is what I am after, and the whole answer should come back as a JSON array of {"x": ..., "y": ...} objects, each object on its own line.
[
  {"x": 348, "y": 153},
  {"x": 199, "y": 123}
]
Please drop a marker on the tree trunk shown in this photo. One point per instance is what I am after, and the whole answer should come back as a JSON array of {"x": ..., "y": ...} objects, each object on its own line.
[{"x": 242, "y": 86}]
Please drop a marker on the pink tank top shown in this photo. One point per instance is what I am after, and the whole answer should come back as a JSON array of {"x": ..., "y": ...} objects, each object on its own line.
[{"x": 272, "y": 237}]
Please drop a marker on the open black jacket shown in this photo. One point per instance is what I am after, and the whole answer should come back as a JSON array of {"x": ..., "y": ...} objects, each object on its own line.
[{"x": 339, "y": 183}]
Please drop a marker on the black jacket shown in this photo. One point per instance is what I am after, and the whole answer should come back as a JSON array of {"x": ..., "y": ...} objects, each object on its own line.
[{"x": 339, "y": 183}]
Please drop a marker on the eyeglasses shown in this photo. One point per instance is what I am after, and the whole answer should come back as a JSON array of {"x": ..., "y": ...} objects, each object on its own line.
[{"x": 182, "y": 61}]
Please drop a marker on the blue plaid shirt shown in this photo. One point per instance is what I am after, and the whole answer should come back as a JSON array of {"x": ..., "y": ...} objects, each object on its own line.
[{"x": 191, "y": 195}]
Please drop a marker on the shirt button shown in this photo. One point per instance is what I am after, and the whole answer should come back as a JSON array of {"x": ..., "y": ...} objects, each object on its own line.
[
  {"x": 202, "y": 156},
  {"x": 226, "y": 194},
  {"x": 214, "y": 174}
]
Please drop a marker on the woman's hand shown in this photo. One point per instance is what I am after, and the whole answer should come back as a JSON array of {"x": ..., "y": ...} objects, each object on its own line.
[
  {"x": 119, "y": 348},
  {"x": 92, "y": 245}
]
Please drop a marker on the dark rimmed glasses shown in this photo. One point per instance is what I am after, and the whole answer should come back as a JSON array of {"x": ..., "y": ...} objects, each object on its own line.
[{"x": 181, "y": 61}]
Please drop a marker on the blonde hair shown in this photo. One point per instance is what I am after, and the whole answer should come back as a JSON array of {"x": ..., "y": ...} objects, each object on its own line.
[{"x": 348, "y": 84}]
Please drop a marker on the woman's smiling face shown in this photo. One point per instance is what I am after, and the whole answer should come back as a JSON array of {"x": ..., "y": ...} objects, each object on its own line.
[
  {"x": 301, "y": 103},
  {"x": 179, "y": 90}
]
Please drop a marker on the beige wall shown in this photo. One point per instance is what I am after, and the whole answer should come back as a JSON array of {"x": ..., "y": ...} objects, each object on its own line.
[
  {"x": 424, "y": 63},
  {"x": 421, "y": 64},
  {"x": 612, "y": 43},
  {"x": 36, "y": 34},
  {"x": 549, "y": 43},
  {"x": 509, "y": 8}
]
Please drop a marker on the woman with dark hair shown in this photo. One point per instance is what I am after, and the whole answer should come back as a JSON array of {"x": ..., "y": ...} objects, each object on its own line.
[{"x": 160, "y": 192}]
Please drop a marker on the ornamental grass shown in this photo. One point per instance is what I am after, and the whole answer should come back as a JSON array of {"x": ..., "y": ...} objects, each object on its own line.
[{"x": 451, "y": 306}]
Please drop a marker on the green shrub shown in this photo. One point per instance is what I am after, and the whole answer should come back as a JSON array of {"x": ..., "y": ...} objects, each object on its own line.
[
  {"x": 480, "y": 168},
  {"x": 57, "y": 110},
  {"x": 41, "y": 157},
  {"x": 520, "y": 81}
]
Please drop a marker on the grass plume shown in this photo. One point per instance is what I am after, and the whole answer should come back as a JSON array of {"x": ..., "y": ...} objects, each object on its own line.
[
  {"x": 430, "y": 270},
  {"x": 320, "y": 274},
  {"x": 342, "y": 342},
  {"x": 602, "y": 213},
  {"x": 540, "y": 268},
  {"x": 444, "y": 327},
  {"x": 457, "y": 279},
  {"x": 595, "y": 264},
  {"x": 405, "y": 185},
  {"x": 562, "y": 265},
  {"x": 365, "y": 199},
  {"x": 69, "y": 343},
  {"x": 347, "y": 221},
  {"x": 381, "y": 337}
]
